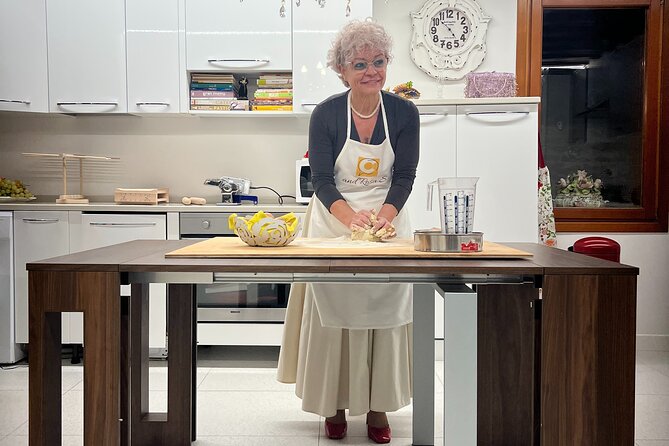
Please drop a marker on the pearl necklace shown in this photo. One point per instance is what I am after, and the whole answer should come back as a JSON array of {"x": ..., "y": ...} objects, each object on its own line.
[{"x": 369, "y": 115}]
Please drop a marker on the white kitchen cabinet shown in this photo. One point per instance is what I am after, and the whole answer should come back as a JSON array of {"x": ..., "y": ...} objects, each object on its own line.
[
  {"x": 152, "y": 38},
  {"x": 37, "y": 235},
  {"x": 90, "y": 231},
  {"x": 234, "y": 36},
  {"x": 313, "y": 30},
  {"x": 498, "y": 144},
  {"x": 87, "y": 63},
  {"x": 23, "y": 65}
]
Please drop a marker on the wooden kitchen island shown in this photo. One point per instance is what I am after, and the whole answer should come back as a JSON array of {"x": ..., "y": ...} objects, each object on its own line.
[{"x": 555, "y": 340}]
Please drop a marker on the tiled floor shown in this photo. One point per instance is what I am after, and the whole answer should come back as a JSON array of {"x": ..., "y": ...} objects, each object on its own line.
[{"x": 241, "y": 404}]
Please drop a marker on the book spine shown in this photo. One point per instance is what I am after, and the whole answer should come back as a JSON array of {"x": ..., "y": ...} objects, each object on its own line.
[
  {"x": 268, "y": 95},
  {"x": 273, "y": 107},
  {"x": 211, "y": 86},
  {"x": 211, "y": 94},
  {"x": 275, "y": 82},
  {"x": 212, "y": 101}
]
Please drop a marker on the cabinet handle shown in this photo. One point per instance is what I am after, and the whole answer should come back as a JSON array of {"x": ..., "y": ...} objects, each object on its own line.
[
  {"x": 15, "y": 101},
  {"x": 162, "y": 104},
  {"x": 250, "y": 61},
  {"x": 122, "y": 224},
  {"x": 499, "y": 113},
  {"x": 41, "y": 220},
  {"x": 508, "y": 115},
  {"x": 109, "y": 104}
]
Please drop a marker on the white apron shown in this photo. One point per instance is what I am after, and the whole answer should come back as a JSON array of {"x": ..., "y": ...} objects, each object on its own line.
[{"x": 362, "y": 174}]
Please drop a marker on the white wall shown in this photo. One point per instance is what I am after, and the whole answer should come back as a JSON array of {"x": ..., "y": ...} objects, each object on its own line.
[
  {"x": 180, "y": 152},
  {"x": 501, "y": 43}
]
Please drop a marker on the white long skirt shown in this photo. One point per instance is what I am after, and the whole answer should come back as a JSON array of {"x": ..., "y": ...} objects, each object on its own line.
[{"x": 335, "y": 368}]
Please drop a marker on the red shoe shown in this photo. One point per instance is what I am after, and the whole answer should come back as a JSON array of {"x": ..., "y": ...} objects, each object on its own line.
[
  {"x": 379, "y": 434},
  {"x": 335, "y": 431}
]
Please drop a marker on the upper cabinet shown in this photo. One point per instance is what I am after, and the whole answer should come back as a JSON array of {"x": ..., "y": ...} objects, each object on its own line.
[
  {"x": 313, "y": 30},
  {"x": 23, "y": 65},
  {"x": 234, "y": 36},
  {"x": 152, "y": 35},
  {"x": 87, "y": 62}
]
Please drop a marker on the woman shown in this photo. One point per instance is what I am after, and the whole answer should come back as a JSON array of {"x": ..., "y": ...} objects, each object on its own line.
[{"x": 349, "y": 346}]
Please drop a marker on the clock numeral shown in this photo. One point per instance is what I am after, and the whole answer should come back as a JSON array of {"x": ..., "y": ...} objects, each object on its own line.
[
  {"x": 456, "y": 44},
  {"x": 433, "y": 30},
  {"x": 465, "y": 29},
  {"x": 443, "y": 42},
  {"x": 463, "y": 20},
  {"x": 449, "y": 14},
  {"x": 458, "y": 17},
  {"x": 449, "y": 45},
  {"x": 435, "y": 38},
  {"x": 435, "y": 21},
  {"x": 442, "y": 16},
  {"x": 463, "y": 38}
]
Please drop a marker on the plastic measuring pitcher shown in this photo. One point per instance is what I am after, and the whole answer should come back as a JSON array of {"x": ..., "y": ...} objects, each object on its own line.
[{"x": 457, "y": 198}]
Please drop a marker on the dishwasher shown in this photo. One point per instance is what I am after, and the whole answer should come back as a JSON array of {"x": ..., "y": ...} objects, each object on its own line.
[{"x": 9, "y": 349}]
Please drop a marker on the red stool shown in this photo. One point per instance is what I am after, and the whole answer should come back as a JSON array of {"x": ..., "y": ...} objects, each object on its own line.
[{"x": 601, "y": 247}]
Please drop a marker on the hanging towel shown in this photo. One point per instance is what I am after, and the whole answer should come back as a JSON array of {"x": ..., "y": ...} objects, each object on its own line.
[{"x": 547, "y": 234}]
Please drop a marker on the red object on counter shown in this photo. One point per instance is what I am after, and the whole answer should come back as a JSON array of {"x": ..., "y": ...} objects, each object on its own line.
[{"x": 600, "y": 247}]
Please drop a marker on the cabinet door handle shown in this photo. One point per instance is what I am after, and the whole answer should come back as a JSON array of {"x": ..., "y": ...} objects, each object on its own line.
[
  {"x": 161, "y": 104},
  {"x": 429, "y": 118},
  {"x": 65, "y": 105},
  {"x": 507, "y": 116},
  {"x": 122, "y": 224},
  {"x": 237, "y": 61},
  {"x": 41, "y": 220},
  {"x": 15, "y": 101}
]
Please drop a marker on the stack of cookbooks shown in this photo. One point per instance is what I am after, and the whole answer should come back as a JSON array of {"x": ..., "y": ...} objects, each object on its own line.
[
  {"x": 274, "y": 93},
  {"x": 215, "y": 92}
]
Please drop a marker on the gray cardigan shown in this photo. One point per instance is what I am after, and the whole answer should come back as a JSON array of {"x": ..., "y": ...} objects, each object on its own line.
[{"x": 327, "y": 135}]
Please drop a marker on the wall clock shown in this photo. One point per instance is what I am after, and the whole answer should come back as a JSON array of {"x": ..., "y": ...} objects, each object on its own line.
[{"x": 449, "y": 38}]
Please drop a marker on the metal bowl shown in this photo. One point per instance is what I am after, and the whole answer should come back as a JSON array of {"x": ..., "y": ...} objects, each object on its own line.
[{"x": 436, "y": 241}]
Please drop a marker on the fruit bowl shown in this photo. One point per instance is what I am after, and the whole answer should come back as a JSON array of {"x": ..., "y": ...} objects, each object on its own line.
[{"x": 263, "y": 229}]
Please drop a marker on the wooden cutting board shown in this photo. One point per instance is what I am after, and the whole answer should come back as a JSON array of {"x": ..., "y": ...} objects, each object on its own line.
[{"x": 226, "y": 247}]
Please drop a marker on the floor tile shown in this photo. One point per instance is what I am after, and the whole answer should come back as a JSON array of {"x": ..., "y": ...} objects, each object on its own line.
[
  {"x": 650, "y": 382},
  {"x": 656, "y": 360},
  {"x": 17, "y": 379},
  {"x": 245, "y": 380},
  {"x": 13, "y": 410},
  {"x": 255, "y": 441},
  {"x": 652, "y": 443},
  {"x": 253, "y": 414},
  {"x": 652, "y": 417}
]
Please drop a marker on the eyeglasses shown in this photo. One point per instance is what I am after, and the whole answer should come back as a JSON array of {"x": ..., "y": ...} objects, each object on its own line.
[{"x": 379, "y": 64}]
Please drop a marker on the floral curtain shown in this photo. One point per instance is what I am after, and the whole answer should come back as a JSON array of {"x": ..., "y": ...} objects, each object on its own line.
[{"x": 547, "y": 234}]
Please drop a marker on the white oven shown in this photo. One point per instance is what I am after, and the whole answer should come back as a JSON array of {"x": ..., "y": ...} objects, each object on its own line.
[{"x": 234, "y": 313}]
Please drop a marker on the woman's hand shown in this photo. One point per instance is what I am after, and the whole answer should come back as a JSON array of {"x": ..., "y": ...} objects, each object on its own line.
[
  {"x": 361, "y": 220},
  {"x": 383, "y": 228}
]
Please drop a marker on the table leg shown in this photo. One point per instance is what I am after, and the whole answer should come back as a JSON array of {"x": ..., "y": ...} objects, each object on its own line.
[
  {"x": 423, "y": 364},
  {"x": 97, "y": 296},
  {"x": 588, "y": 357},
  {"x": 174, "y": 427},
  {"x": 460, "y": 365}
]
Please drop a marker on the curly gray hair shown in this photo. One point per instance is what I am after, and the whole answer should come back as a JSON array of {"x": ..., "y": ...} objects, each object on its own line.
[{"x": 354, "y": 37}]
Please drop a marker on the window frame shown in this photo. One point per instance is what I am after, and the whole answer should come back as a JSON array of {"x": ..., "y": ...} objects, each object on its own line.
[{"x": 653, "y": 215}]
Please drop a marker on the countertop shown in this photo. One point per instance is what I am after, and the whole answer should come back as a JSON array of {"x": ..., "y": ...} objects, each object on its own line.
[{"x": 102, "y": 206}]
